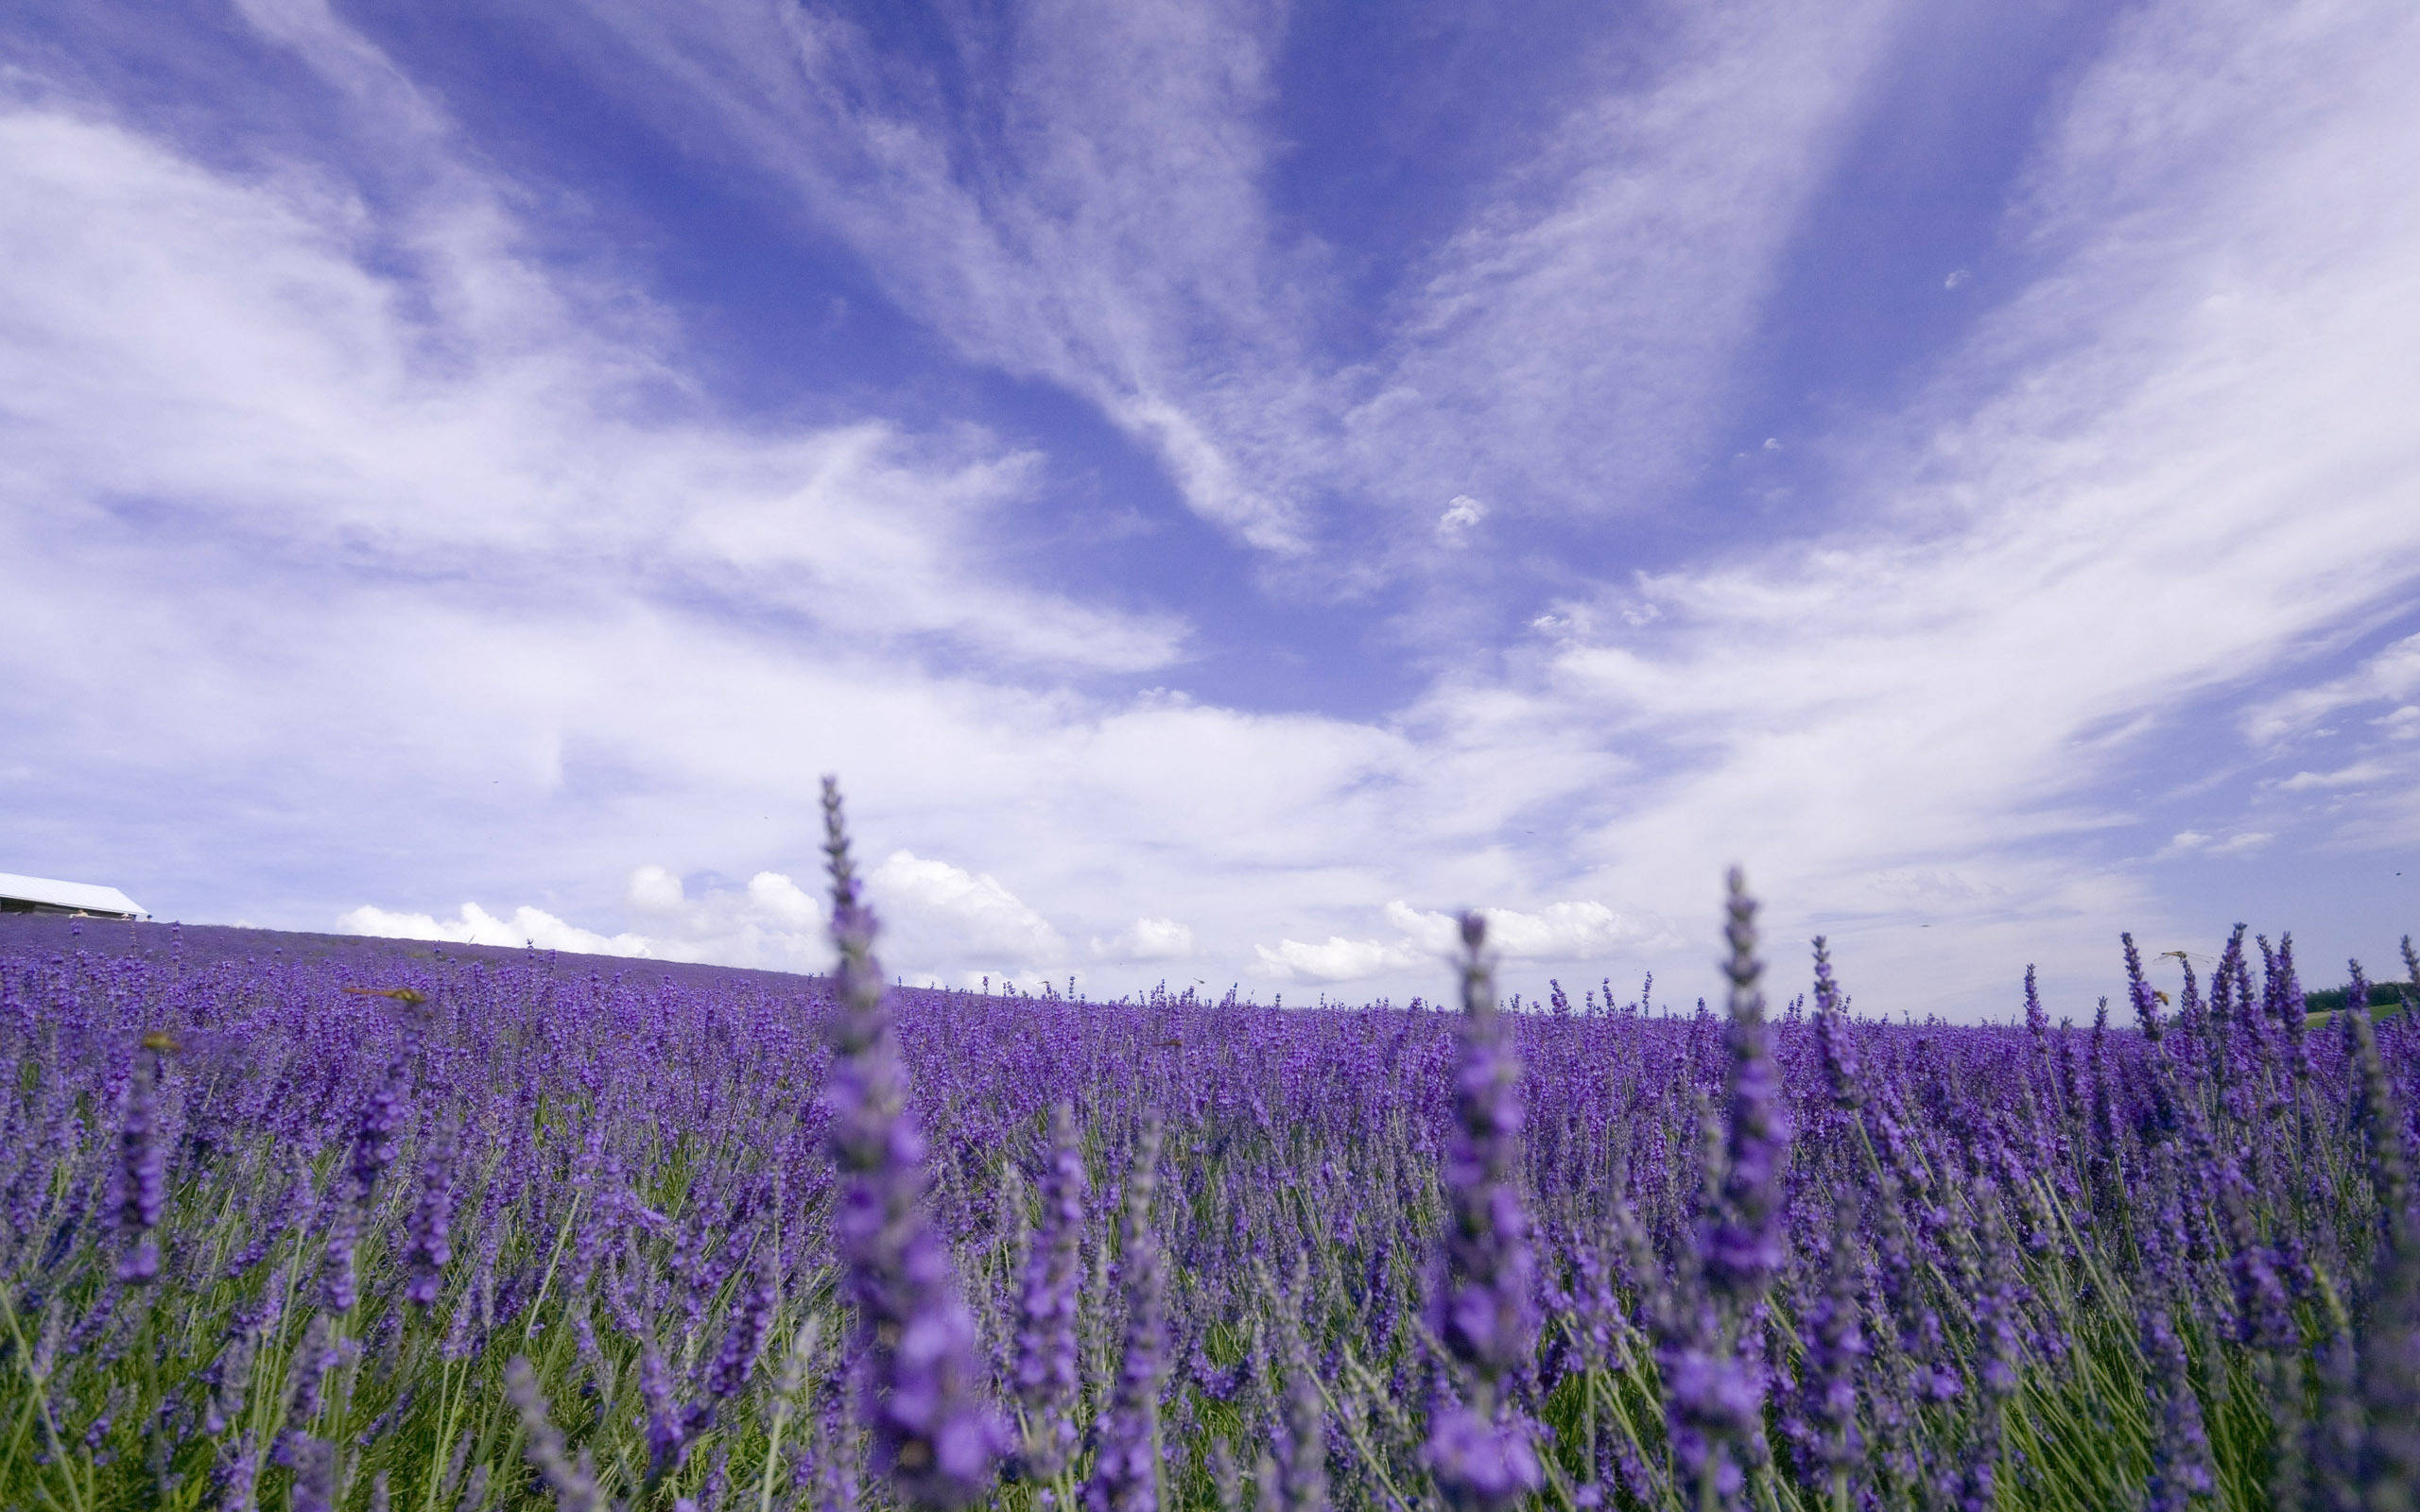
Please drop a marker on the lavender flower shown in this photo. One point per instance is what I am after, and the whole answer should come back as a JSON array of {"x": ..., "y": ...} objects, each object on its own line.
[
  {"x": 933, "y": 1436},
  {"x": 1484, "y": 1310},
  {"x": 2390, "y": 1348},
  {"x": 2139, "y": 990},
  {"x": 2390, "y": 1381},
  {"x": 1713, "y": 1387},
  {"x": 1302, "y": 1448},
  {"x": 2375, "y": 1112},
  {"x": 1833, "y": 1035},
  {"x": 1824, "y": 1415},
  {"x": 2181, "y": 1465},
  {"x": 427, "y": 1238},
  {"x": 1743, "y": 1246},
  {"x": 339, "y": 1286},
  {"x": 314, "y": 1462},
  {"x": 236, "y": 1473},
  {"x": 572, "y": 1480},
  {"x": 374, "y": 1135},
  {"x": 1045, "y": 1339},
  {"x": 1126, "y": 1469},
  {"x": 667, "y": 1432},
  {"x": 745, "y": 1341},
  {"x": 143, "y": 1165}
]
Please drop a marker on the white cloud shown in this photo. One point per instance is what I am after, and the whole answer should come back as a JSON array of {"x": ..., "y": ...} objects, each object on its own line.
[
  {"x": 777, "y": 898},
  {"x": 1427, "y": 940},
  {"x": 1460, "y": 518},
  {"x": 2393, "y": 674},
  {"x": 2353, "y": 776},
  {"x": 1339, "y": 959},
  {"x": 2243, "y": 842},
  {"x": 476, "y": 926},
  {"x": 1147, "y": 939},
  {"x": 235, "y": 351},
  {"x": 1102, "y": 224},
  {"x": 654, "y": 890},
  {"x": 952, "y": 916}
]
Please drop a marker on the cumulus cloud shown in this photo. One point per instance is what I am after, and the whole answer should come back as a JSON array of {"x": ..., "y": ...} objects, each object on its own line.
[
  {"x": 475, "y": 925},
  {"x": 1147, "y": 939},
  {"x": 1336, "y": 959},
  {"x": 1426, "y": 939},
  {"x": 950, "y": 915}
]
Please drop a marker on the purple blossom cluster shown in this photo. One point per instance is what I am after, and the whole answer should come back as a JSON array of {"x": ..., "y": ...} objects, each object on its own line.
[{"x": 295, "y": 1222}]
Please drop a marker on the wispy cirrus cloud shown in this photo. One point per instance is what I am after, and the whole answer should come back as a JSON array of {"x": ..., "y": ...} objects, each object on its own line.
[
  {"x": 1082, "y": 198},
  {"x": 463, "y": 415}
]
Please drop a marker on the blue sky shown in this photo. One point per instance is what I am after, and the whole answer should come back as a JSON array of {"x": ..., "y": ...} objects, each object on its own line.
[{"x": 1225, "y": 485}]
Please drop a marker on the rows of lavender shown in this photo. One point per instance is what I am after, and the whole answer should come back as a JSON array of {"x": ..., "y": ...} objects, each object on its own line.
[{"x": 377, "y": 1231}]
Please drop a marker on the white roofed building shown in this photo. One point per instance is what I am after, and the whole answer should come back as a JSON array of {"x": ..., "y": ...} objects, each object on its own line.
[{"x": 40, "y": 895}]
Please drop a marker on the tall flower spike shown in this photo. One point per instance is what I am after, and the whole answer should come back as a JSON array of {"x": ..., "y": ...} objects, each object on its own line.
[
  {"x": 2390, "y": 1347},
  {"x": 1713, "y": 1381},
  {"x": 428, "y": 1233},
  {"x": 1126, "y": 1473},
  {"x": 2374, "y": 1109},
  {"x": 1743, "y": 1246},
  {"x": 143, "y": 1165},
  {"x": 1825, "y": 1411},
  {"x": 1832, "y": 1034},
  {"x": 1484, "y": 1311},
  {"x": 2181, "y": 1467},
  {"x": 1046, "y": 1341},
  {"x": 933, "y": 1436}
]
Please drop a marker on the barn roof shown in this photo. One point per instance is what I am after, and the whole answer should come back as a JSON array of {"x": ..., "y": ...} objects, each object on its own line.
[{"x": 89, "y": 897}]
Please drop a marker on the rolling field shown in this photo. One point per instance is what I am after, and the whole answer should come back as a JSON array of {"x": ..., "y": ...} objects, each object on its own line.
[{"x": 297, "y": 1222}]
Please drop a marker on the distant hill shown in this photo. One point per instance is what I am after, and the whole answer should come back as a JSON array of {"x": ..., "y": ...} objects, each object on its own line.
[{"x": 218, "y": 942}]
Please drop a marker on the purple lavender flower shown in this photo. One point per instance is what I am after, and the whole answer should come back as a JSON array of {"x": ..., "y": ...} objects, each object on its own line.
[
  {"x": 338, "y": 1287},
  {"x": 2390, "y": 1379},
  {"x": 1743, "y": 1246},
  {"x": 667, "y": 1435},
  {"x": 236, "y": 1473},
  {"x": 143, "y": 1165},
  {"x": 1302, "y": 1448},
  {"x": 2138, "y": 988},
  {"x": 1125, "y": 1468},
  {"x": 373, "y": 1139},
  {"x": 427, "y": 1238},
  {"x": 1713, "y": 1383},
  {"x": 1833, "y": 1035},
  {"x": 1484, "y": 1309},
  {"x": 314, "y": 1462},
  {"x": 572, "y": 1481},
  {"x": 2389, "y": 1345},
  {"x": 741, "y": 1346},
  {"x": 933, "y": 1435},
  {"x": 1045, "y": 1339},
  {"x": 1824, "y": 1415},
  {"x": 2374, "y": 1111},
  {"x": 2180, "y": 1464},
  {"x": 1480, "y": 1462}
]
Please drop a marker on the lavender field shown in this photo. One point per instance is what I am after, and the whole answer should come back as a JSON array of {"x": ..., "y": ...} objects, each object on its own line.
[{"x": 392, "y": 1226}]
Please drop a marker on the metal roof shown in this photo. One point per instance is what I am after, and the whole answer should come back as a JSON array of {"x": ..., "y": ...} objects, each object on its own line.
[{"x": 88, "y": 897}]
